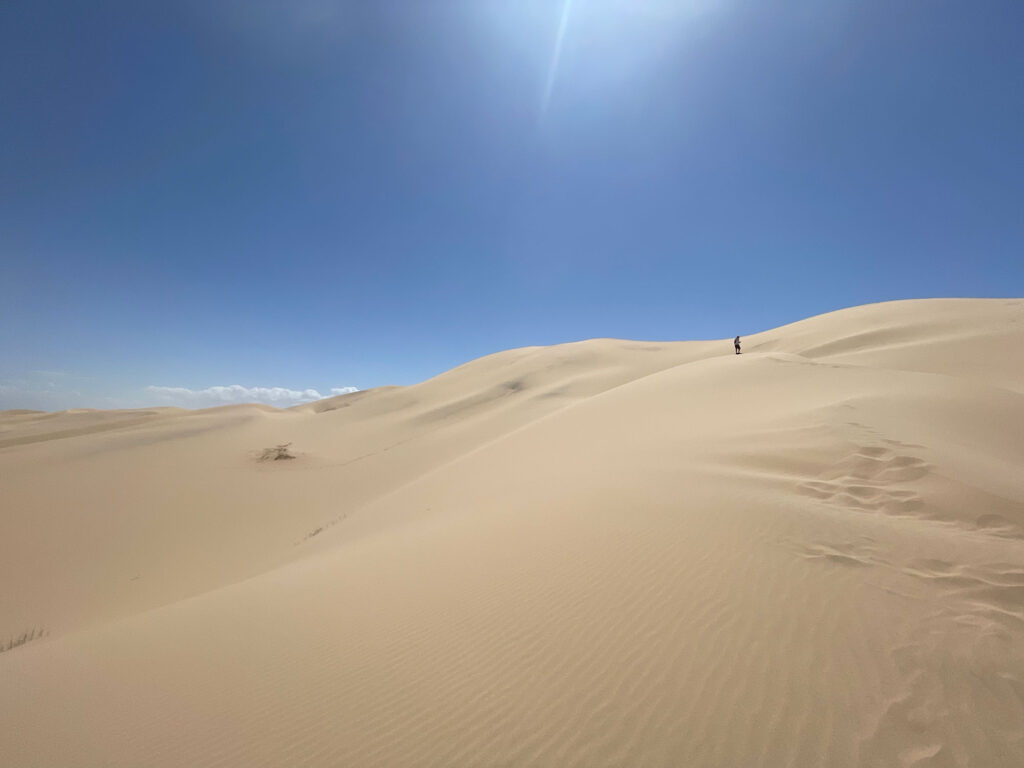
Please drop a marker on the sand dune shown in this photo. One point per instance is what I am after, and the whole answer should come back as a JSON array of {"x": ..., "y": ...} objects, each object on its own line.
[{"x": 601, "y": 553}]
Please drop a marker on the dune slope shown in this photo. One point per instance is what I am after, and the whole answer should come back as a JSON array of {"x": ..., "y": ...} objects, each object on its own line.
[{"x": 600, "y": 553}]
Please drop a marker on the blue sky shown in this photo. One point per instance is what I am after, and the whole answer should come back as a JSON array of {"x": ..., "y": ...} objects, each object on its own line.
[{"x": 311, "y": 195}]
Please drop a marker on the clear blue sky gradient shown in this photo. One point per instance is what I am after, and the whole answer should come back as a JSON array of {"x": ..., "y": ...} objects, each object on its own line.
[{"x": 321, "y": 194}]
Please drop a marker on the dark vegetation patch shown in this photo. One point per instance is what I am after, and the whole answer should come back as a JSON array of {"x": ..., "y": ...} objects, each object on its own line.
[
  {"x": 25, "y": 637},
  {"x": 277, "y": 453}
]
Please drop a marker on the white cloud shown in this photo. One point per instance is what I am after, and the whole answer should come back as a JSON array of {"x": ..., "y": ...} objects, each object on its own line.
[
  {"x": 37, "y": 395},
  {"x": 280, "y": 397}
]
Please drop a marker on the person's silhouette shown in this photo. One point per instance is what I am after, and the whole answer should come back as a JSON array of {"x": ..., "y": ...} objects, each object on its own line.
[{"x": 736, "y": 343}]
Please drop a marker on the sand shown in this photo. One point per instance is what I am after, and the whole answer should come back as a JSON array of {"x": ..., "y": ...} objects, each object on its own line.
[{"x": 604, "y": 553}]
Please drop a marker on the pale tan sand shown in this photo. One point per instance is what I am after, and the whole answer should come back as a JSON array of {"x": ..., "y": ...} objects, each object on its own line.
[{"x": 601, "y": 553}]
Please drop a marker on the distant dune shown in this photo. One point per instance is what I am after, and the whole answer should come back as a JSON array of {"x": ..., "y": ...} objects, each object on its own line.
[{"x": 604, "y": 553}]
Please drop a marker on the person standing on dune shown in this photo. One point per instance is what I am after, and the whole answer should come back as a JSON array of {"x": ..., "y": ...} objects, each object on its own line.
[{"x": 736, "y": 343}]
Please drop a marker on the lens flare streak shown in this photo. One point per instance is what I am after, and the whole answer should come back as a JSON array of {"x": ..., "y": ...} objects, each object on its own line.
[{"x": 556, "y": 57}]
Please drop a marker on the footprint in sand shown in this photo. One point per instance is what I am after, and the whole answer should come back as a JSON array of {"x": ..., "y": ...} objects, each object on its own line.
[
  {"x": 863, "y": 481},
  {"x": 978, "y": 625},
  {"x": 995, "y": 590},
  {"x": 848, "y": 554}
]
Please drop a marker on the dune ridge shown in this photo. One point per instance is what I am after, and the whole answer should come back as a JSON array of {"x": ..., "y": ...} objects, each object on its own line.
[{"x": 598, "y": 553}]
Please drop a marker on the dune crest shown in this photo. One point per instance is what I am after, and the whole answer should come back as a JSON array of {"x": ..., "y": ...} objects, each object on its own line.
[{"x": 599, "y": 553}]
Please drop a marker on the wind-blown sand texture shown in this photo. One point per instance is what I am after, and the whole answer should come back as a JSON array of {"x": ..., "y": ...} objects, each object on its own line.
[{"x": 605, "y": 553}]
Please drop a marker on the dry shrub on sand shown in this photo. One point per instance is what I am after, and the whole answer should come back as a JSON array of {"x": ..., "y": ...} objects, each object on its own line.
[{"x": 277, "y": 453}]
